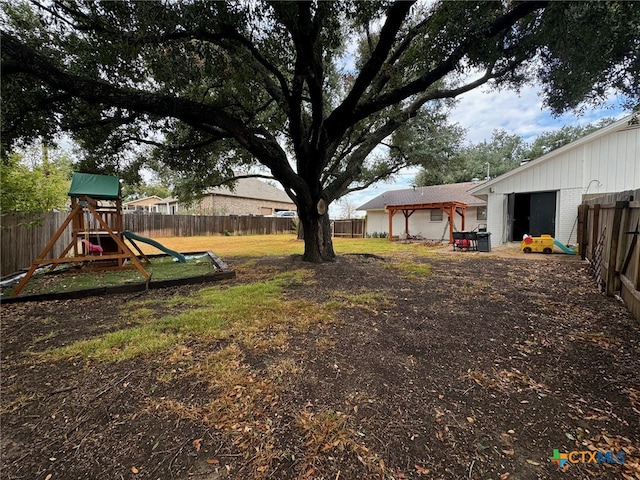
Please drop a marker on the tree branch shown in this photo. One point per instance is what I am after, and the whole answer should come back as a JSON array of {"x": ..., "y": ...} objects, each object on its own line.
[
  {"x": 397, "y": 13},
  {"x": 445, "y": 67}
]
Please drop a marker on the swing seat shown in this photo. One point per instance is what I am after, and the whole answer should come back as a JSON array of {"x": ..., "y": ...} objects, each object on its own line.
[{"x": 92, "y": 248}]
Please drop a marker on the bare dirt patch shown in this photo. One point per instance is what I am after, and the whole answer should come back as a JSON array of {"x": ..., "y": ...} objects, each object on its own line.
[{"x": 476, "y": 370}]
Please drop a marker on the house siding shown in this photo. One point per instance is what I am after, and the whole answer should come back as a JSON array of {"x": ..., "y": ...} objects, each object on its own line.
[
  {"x": 227, "y": 205},
  {"x": 148, "y": 204},
  {"x": 607, "y": 162}
]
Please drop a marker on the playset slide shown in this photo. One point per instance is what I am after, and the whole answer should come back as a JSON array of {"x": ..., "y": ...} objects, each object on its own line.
[
  {"x": 159, "y": 246},
  {"x": 563, "y": 247}
]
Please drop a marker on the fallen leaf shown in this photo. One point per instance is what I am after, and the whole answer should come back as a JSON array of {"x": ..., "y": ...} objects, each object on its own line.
[
  {"x": 505, "y": 475},
  {"x": 134, "y": 470},
  {"x": 197, "y": 443},
  {"x": 48, "y": 477},
  {"x": 508, "y": 452},
  {"x": 470, "y": 419},
  {"x": 532, "y": 462},
  {"x": 421, "y": 470},
  {"x": 213, "y": 461}
]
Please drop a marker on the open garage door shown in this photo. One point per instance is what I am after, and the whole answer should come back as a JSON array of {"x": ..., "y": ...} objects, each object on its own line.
[{"x": 531, "y": 213}]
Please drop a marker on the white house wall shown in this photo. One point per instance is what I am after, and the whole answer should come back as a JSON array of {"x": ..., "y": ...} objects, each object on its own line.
[
  {"x": 420, "y": 223},
  {"x": 614, "y": 161},
  {"x": 609, "y": 163}
]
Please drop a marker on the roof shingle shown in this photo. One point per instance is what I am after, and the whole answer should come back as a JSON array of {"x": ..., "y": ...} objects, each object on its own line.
[{"x": 454, "y": 192}]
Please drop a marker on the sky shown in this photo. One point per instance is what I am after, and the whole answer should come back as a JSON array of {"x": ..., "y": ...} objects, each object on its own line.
[{"x": 480, "y": 112}]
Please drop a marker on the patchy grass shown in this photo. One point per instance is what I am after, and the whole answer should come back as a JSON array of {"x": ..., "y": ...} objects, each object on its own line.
[
  {"x": 369, "y": 301},
  {"x": 333, "y": 371},
  {"x": 243, "y": 311},
  {"x": 411, "y": 269}
]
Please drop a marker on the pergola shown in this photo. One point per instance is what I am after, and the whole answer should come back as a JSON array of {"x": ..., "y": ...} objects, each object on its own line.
[{"x": 449, "y": 208}]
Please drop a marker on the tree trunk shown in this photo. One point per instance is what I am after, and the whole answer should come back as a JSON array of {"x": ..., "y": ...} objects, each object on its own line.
[{"x": 318, "y": 246}]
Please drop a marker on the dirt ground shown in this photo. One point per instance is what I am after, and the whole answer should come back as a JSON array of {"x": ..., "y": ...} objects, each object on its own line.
[{"x": 478, "y": 370}]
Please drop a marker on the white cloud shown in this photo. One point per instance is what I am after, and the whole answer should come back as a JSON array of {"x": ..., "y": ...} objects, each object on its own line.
[{"x": 481, "y": 111}]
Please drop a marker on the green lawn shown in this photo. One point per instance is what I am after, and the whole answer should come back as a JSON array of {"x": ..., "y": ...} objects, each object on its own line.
[{"x": 277, "y": 245}]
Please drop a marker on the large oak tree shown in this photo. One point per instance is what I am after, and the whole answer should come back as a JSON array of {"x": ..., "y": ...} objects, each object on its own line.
[{"x": 306, "y": 89}]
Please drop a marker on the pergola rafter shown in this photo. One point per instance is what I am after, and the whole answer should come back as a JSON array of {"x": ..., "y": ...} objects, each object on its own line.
[{"x": 449, "y": 208}]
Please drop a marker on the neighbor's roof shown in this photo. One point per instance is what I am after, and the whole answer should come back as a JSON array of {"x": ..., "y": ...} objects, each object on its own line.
[
  {"x": 100, "y": 187},
  {"x": 454, "y": 192},
  {"x": 137, "y": 201},
  {"x": 253, "y": 188}
]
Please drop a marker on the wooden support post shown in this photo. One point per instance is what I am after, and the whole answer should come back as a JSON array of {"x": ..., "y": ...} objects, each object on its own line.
[
  {"x": 392, "y": 212},
  {"x": 407, "y": 214},
  {"x": 140, "y": 252},
  {"x": 452, "y": 221},
  {"x": 612, "y": 271},
  {"x": 47, "y": 249},
  {"x": 583, "y": 230}
]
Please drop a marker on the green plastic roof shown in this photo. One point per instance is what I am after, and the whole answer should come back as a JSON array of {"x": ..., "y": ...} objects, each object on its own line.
[{"x": 100, "y": 187}]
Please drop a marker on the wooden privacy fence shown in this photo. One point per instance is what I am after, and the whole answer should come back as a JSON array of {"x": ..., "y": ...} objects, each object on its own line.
[
  {"x": 23, "y": 238},
  {"x": 608, "y": 234},
  {"x": 353, "y": 228},
  {"x": 158, "y": 225}
]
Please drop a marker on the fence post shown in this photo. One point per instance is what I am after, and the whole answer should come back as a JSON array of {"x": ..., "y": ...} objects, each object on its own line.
[
  {"x": 580, "y": 234},
  {"x": 595, "y": 232},
  {"x": 612, "y": 270}
]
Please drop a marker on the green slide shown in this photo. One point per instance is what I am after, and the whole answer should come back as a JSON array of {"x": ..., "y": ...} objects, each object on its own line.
[
  {"x": 563, "y": 247},
  {"x": 159, "y": 246}
]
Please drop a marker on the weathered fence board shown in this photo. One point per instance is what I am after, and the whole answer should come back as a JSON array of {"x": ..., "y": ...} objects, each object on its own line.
[
  {"x": 352, "y": 228},
  {"x": 610, "y": 241},
  {"x": 23, "y": 238}
]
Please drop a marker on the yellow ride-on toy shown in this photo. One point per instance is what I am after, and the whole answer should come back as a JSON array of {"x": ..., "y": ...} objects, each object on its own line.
[{"x": 543, "y": 243}]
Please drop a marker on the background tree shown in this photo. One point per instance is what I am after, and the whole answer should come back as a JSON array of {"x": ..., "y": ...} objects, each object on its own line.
[
  {"x": 548, "y": 141},
  {"x": 206, "y": 88},
  {"x": 35, "y": 181},
  {"x": 145, "y": 189},
  {"x": 502, "y": 153},
  {"x": 347, "y": 208}
]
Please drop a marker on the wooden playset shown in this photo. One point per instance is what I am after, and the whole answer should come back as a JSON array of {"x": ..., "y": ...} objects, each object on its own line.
[{"x": 97, "y": 235}]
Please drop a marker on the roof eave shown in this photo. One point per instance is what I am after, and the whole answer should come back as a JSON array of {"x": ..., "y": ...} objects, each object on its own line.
[{"x": 480, "y": 190}]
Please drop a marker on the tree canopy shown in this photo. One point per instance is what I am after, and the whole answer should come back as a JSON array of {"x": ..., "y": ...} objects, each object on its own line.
[
  {"x": 35, "y": 181},
  {"x": 307, "y": 90}
]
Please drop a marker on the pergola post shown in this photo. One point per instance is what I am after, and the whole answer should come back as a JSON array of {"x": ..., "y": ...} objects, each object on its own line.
[
  {"x": 452, "y": 222},
  {"x": 392, "y": 212},
  {"x": 450, "y": 208}
]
